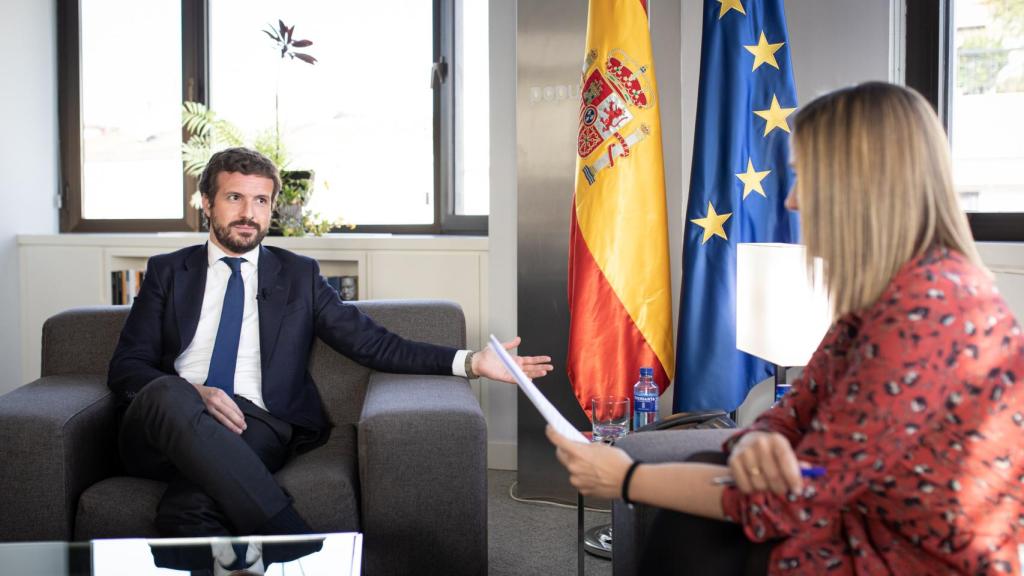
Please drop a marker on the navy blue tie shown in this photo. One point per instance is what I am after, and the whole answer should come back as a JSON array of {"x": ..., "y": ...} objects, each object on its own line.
[{"x": 225, "y": 347}]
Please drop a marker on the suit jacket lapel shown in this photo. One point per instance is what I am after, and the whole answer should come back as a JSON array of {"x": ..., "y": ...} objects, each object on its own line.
[
  {"x": 271, "y": 297},
  {"x": 189, "y": 282}
]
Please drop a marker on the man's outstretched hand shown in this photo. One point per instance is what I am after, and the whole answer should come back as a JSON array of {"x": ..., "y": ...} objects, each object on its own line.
[{"x": 487, "y": 364}]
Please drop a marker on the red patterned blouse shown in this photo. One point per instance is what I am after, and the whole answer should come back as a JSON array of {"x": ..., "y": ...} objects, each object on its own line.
[{"x": 915, "y": 407}]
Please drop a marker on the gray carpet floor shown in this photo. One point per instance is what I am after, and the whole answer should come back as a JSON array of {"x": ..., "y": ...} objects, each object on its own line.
[{"x": 526, "y": 538}]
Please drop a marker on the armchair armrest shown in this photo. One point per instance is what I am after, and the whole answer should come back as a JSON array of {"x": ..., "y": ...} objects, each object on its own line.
[
  {"x": 423, "y": 475},
  {"x": 59, "y": 437},
  {"x": 632, "y": 525}
]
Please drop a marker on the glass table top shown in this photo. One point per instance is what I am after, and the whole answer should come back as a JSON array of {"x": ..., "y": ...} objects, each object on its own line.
[{"x": 310, "y": 555}]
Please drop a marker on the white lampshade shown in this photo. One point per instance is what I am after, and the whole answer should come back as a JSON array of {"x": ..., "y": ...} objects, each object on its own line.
[{"x": 781, "y": 315}]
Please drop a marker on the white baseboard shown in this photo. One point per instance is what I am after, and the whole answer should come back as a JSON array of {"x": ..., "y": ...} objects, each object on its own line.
[{"x": 502, "y": 456}]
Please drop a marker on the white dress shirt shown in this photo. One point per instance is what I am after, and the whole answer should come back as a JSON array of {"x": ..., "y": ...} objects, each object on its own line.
[{"x": 194, "y": 363}]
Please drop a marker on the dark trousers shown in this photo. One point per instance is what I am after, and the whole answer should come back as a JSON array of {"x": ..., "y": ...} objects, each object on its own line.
[
  {"x": 681, "y": 543},
  {"x": 219, "y": 482}
]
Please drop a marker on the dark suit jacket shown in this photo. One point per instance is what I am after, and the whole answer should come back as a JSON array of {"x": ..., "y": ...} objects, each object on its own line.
[{"x": 295, "y": 305}]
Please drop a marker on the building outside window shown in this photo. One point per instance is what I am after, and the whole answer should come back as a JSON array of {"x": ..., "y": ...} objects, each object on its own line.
[{"x": 987, "y": 104}]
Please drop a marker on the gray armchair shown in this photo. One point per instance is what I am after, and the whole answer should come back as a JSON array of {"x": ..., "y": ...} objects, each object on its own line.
[
  {"x": 632, "y": 525},
  {"x": 405, "y": 464}
]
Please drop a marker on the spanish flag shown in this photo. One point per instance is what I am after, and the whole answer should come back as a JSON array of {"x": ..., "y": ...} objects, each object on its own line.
[{"x": 620, "y": 300}]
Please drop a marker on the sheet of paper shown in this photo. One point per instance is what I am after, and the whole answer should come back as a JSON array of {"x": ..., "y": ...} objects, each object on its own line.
[{"x": 546, "y": 408}]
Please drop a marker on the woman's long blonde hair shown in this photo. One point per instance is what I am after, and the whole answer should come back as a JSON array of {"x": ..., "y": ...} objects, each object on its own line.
[{"x": 874, "y": 188}]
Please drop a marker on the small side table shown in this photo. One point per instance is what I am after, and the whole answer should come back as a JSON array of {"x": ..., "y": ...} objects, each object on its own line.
[
  {"x": 597, "y": 540},
  {"x": 579, "y": 533}
]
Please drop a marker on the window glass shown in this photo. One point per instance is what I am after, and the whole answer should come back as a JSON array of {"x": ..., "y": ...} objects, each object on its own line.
[
  {"x": 361, "y": 117},
  {"x": 987, "y": 122},
  {"x": 131, "y": 109},
  {"x": 472, "y": 161}
]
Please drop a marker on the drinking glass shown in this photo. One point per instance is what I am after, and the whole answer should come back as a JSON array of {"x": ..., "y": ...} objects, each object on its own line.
[{"x": 610, "y": 417}]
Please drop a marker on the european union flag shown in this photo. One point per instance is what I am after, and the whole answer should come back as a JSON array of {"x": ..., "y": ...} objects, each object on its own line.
[{"x": 738, "y": 185}]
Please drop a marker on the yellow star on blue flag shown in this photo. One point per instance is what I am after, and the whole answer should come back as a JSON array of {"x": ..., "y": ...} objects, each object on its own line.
[{"x": 713, "y": 224}]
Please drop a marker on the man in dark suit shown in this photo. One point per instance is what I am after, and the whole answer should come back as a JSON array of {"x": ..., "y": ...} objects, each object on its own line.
[{"x": 211, "y": 367}]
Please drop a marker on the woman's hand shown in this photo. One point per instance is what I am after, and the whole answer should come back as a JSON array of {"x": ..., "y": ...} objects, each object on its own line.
[
  {"x": 487, "y": 364},
  {"x": 594, "y": 469},
  {"x": 763, "y": 461}
]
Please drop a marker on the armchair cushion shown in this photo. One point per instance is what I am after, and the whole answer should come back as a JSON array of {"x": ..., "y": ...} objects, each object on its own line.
[
  {"x": 118, "y": 507},
  {"x": 325, "y": 483},
  {"x": 82, "y": 340},
  {"x": 322, "y": 482}
]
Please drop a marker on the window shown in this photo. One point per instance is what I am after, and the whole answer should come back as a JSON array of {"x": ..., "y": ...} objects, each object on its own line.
[
  {"x": 472, "y": 160},
  {"x": 120, "y": 119},
  {"x": 967, "y": 57},
  {"x": 392, "y": 118}
]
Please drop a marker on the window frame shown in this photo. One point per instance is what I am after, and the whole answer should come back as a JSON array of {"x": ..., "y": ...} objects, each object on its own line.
[
  {"x": 929, "y": 56},
  {"x": 69, "y": 102},
  {"x": 195, "y": 87}
]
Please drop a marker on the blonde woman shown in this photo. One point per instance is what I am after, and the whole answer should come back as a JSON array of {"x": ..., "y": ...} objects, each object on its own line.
[{"x": 913, "y": 404}]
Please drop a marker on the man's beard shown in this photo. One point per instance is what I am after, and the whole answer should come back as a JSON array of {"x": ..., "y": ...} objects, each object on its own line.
[{"x": 236, "y": 243}]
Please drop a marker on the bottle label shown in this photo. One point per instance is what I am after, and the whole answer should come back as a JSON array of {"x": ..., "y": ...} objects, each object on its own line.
[
  {"x": 780, "y": 391},
  {"x": 641, "y": 404}
]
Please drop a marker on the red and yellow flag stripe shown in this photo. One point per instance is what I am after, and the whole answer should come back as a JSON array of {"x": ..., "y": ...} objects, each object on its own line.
[{"x": 620, "y": 298}]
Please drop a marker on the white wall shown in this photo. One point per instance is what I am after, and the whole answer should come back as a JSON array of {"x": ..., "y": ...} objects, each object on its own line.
[
  {"x": 836, "y": 43},
  {"x": 667, "y": 39},
  {"x": 28, "y": 154}
]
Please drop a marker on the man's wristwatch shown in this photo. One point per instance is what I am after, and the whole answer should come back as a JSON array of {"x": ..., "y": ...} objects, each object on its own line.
[{"x": 469, "y": 366}]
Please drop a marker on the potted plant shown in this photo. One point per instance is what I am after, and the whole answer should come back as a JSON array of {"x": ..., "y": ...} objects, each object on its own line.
[{"x": 209, "y": 133}]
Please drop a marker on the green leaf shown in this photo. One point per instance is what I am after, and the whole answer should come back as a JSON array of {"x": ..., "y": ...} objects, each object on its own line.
[
  {"x": 228, "y": 133},
  {"x": 196, "y": 118},
  {"x": 195, "y": 154}
]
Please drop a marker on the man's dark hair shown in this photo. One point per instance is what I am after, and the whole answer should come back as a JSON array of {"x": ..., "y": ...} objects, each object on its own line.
[{"x": 241, "y": 160}]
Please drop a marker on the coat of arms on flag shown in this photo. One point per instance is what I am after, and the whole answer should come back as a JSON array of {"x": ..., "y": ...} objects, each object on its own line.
[{"x": 609, "y": 93}]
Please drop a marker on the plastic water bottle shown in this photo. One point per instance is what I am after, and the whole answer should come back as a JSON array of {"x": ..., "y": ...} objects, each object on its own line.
[
  {"x": 780, "y": 391},
  {"x": 645, "y": 399}
]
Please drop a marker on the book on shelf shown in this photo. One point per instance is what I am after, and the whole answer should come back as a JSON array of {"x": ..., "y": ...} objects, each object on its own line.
[
  {"x": 347, "y": 287},
  {"x": 125, "y": 285}
]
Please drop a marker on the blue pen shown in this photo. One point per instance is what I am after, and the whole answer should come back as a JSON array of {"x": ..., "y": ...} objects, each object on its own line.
[{"x": 812, "y": 472}]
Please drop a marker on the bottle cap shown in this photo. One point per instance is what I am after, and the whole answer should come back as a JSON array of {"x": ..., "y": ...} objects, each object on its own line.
[{"x": 647, "y": 372}]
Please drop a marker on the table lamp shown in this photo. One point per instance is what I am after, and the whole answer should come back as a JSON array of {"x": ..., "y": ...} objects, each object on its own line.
[{"x": 781, "y": 312}]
